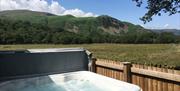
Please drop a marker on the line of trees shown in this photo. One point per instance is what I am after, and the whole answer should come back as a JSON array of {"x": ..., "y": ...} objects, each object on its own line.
[{"x": 24, "y": 32}]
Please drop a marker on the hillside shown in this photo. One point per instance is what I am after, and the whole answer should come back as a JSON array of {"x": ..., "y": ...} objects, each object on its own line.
[
  {"x": 23, "y": 26},
  {"x": 73, "y": 24},
  {"x": 174, "y": 31}
]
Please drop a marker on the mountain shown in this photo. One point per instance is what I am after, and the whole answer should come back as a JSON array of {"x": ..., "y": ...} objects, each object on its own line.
[
  {"x": 16, "y": 13},
  {"x": 84, "y": 25},
  {"x": 174, "y": 31},
  {"x": 24, "y": 26}
]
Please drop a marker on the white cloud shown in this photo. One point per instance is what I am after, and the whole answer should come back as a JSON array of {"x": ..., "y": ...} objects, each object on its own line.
[
  {"x": 42, "y": 5},
  {"x": 166, "y": 26},
  {"x": 78, "y": 12}
]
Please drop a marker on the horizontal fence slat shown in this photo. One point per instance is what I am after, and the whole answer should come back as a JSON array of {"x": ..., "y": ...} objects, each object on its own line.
[
  {"x": 161, "y": 75},
  {"x": 110, "y": 65}
]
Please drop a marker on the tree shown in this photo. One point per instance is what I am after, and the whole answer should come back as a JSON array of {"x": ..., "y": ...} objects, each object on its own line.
[
  {"x": 156, "y": 7},
  {"x": 166, "y": 37}
]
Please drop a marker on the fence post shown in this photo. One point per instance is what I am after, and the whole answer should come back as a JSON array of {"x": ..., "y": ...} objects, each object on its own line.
[
  {"x": 127, "y": 72},
  {"x": 93, "y": 65}
]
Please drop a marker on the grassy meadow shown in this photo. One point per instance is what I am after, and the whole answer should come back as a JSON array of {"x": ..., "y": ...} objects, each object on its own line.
[{"x": 165, "y": 55}]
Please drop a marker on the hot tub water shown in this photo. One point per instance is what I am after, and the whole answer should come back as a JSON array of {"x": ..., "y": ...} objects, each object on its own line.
[{"x": 71, "y": 85}]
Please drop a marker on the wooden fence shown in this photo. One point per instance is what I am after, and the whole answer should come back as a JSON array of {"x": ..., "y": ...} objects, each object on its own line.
[{"x": 147, "y": 77}]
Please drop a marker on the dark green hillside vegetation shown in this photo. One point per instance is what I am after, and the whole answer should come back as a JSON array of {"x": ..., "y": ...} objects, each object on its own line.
[{"x": 24, "y": 27}]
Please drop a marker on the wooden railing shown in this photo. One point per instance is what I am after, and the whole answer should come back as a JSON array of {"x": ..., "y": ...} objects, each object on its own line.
[{"x": 149, "y": 78}]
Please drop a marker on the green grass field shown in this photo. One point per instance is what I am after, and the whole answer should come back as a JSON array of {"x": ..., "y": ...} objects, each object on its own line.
[{"x": 165, "y": 55}]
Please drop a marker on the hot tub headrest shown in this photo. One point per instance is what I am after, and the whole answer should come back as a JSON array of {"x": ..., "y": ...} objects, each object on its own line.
[{"x": 35, "y": 62}]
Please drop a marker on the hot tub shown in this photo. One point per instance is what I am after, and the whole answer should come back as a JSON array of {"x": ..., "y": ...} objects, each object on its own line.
[{"x": 72, "y": 81}]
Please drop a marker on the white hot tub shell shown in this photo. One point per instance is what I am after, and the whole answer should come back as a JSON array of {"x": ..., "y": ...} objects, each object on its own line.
[{"x": 72, "y": 81}]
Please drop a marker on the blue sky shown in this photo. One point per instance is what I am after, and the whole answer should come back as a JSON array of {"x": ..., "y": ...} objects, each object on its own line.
[{"x": 124, "y": 10}]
